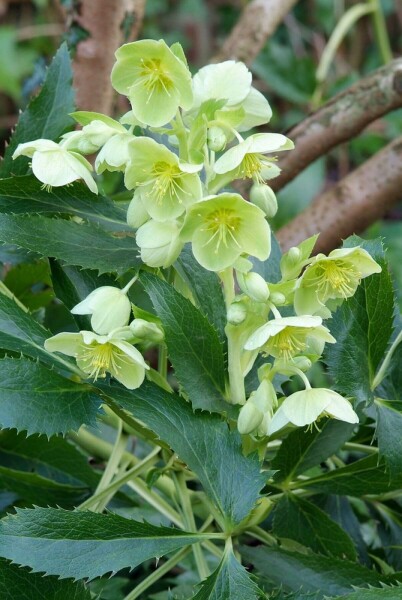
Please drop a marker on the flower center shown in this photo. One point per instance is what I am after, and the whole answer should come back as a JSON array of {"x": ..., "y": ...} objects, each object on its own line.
[
  {"x": 222, "y": 224},
  {"x": 289, "y": 342},
  {"x": 336, "y": 278},
  {"x": 252, "y": 165},
  {"x": 154, "y": 78},
  {"x": 166, "y": 182},
  {"x": 98, "y": 359}
]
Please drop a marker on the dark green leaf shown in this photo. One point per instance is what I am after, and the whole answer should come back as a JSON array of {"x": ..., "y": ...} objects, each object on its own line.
[
  {"x": 16, "y": 582},
  {"x": 194, "y": 346},
  {"x": 202, "y": 441},
  {"x": 385, "y": 593},
  {"x": 84, "y": 544},
  {"x": 84, "y": 245},
  {"x": 362, "y": 327},
  {"x": 300, "y": 520},
  {"x": 37, "y": 400},
  {"x": 46, "y": 115},
  {"x": 25, "y": 195},
  {"x": 310, "y": 572},
  {"x": 302, "y": 450},
  {"x": 388, "y": 432},
  {"x": 206, "y": 289},
  {"x": 392, "y": 383},
  {"x": 230, "y": 581}
]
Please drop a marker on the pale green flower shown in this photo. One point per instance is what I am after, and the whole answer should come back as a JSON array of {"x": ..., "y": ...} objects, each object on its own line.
[
  {"x": 97, "y": 355},
  {"x": 223, "y": 227},
  {"x": 305, "y": 407},
  {"x": 55, "y": 166},
  {"x": 229, "y": 81},
  {"x": 258, "y": 409},
  {"x": 154, "y": 78},
  {"x": 160, "y": 243},
  {"x": 137, "y": 214},
  {"x": 97, "y": 130},
  {"x": 247, "y": 159},
  {"x": 115, "y": 155},
  {"x": 257, "y": 111},
  {"x": 329, "y": 277},
  {"x": 285, "y": 338},
  {"x": 109, "y": 306},
  {"x": 168, "y": 186}
]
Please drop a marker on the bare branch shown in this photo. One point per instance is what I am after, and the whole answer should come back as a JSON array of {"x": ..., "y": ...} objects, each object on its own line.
[
  {"x": 358, "y": 200},
  {"x": 341, "y": 119},
  {"x": 257, "y": 23}
]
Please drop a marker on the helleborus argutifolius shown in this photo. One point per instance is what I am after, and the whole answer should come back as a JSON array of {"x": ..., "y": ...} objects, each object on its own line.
[
  {"x": 223, "y": 227},
  {"x": 109, "y": 306},
  {"x": 137, "y": 214},
  {"x": 258, "y": 409},
  {"x": 168, "y": 186},
  {"x": 155, "y": 79},
  {"x": 247, "y": 159},
  {"x": 97, "y": 355},
  {"x": 114, "y": 155},
  {"x": 305, "y": 407},
  {"x": 229, "y": 81},
  {"x": 160, "y": 243},
  {"x": 55, "y": 166},
  {"x": 264, "y": 197},
  {"x": 287, "y": 337},
  {"x": 334, "y": 276},
  {"x": 253, "y": 285}
]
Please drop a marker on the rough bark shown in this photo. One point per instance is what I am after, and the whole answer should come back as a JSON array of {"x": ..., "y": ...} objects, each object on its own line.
[
  {"x": 257, "y": 23},
  {"x": 358, "y": 200},
  {"x": 95, "y": 56},
  {"x": 341, "y": 119}
]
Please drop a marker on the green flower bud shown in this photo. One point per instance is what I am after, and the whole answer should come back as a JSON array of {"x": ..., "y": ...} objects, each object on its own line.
[
  {"x": 263, "y": 196},
  {"x": 144, "y": 330},
  {"x": 216, "y": 139},
  {"x": 109, "y": 306},
  {"x": 137, "y": 214},
  {"x": 253, "y": 285},
  {"x": 249, "y": 418},
  {"x": 237, "y": 313},
  {"x": 277, "y": 298}
]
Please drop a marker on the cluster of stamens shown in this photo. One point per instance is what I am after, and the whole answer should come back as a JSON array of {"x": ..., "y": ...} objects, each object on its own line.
[
  {"x": 338, "y": 278},
  {"x": 222, "y": 224},
  {"x": 154, "y": 77},
  {"x": 252, "y": 165},
  {"x": 99, "y": 358},
  {"x": 289, "y": 342}
]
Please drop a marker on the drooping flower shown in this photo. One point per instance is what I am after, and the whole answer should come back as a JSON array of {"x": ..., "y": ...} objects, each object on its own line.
[
  {"x": 258, "y": 409},
  {"x": 155, "y": 78},
  {"x": 109, "y": 306},
  {"x": 160, "y": 243},
  {"x": 285, "y": 338},
  {"x": 247, "y": 159},
  {"x": 55, "y": 166},
  {"x": 228, "y": 80},
  {"x": 168, "y": 186},
  {"x": 223, "y": 227},
  {"x": 334, "y": 276},
  {"x": 97, "y": 355},
  {"x": 305, "y": 407}
]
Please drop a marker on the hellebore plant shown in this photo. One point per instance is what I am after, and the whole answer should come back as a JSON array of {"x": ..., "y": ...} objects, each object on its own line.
[{"x": 194, "y": 312}]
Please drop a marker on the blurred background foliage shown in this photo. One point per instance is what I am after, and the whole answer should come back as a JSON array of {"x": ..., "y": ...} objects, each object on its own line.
[{"x": 285, "y": 71}]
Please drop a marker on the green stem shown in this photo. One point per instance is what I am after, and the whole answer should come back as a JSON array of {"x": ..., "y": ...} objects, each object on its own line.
[
  {"x": 385, "y": 363},
  {"x": 262, "y": 536},
  {"x": 112, "y": 464},
  {"x": 6, "y": 292},
  {"x": 380, "y": 30},
  {"x": 157, "y": 502},
  {"x": 352, "y": 446},
  {"x": 189, "y": 522},
  {"x": 162, "y": 361}
]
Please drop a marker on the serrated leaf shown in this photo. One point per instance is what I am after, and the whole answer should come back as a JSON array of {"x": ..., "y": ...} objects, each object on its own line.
[
  {"x": 302, "y": 450},
  {"x": 47, "y": 114},
  {"x": 25, "y": 195},
  {"x": 30, "y": 283},
  {"x": 385, "y": 593},
  {"x": 388, "y": 432},
  {"x": 362, "y": 326},
  {"x": 37, "y": 400},
  {"x": 84, "y": 544},
  {"x": 16, "y": 582},
  {"x": 193, "y": 344},
  {"x": 300, "y": 520},
  {"x": 230, "y": 581},
  {"x": 206, "y": 289},
  {"x": 311, "y": 572},
  {"x": 203, "y": 441},
  {"x": 365, "y": 476},
  {"x": 83, "y": 245}
]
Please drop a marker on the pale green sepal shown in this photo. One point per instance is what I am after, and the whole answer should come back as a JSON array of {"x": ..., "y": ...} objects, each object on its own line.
[
  {"x": 160, "y": 243},
  {"x": 137, "y": 214},
  {"x": 114, "y": 155},
  {"x": 249, "y": 419},
  {"x": 109, "y": 306},
  {"x": 228, "y": 80},
  {"x": 67, "y": 343},
  {"x": 264, "y": 197},
  {"x": 257, "y": 111},
  {"x": 253, "y": 285}
]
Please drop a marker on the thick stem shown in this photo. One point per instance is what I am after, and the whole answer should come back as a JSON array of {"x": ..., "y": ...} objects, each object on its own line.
[{"x": 385, "y": 364}]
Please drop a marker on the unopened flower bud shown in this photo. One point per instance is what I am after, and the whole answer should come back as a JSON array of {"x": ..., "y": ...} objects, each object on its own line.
[
  {"x": 264, "y": 197},
  {"x": 160, "y": 243},
  {"x": 277, "y": 298},
  {"x": 237, "y": 313},
  {"x": 294, "y": 254},
  {"x": 137, "y": 214},
  {"x": 253, "y": 285},
  {"x": 216, "y": 139},
  {"x": 249, "y": 418},
  {"x": 109, "y": 306},
  {"x": 144, "y": 330},
  {"x": 264, "y": 398}
]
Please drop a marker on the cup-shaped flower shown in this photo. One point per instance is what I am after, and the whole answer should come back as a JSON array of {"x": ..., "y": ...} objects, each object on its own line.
[
  {"x": 334, "y": 276},
  {"x": 55, "y": 166},
  {"x": 247, "y": 159},
  {"x": 155, "y": 79},
  {"x": 160, "y": 243},
  {"x": 223, "y": 227},
  {"x": 97, "y": 355},
  {"x": 304, "y": 407},
  {"x": 168, "y": 186},
  {"x": 285, "y": 338},
  {"x": 109, "y": 306}
]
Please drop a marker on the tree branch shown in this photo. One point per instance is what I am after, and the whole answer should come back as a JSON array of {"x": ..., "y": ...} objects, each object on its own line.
[
  {"x": 341, "y": 119},
  {"x": 349, "y": 207},
  {"x": 257, "y": 23}
]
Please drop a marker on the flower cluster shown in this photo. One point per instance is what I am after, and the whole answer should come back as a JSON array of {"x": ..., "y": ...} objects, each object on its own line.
[{"x": 178, "y": 149}]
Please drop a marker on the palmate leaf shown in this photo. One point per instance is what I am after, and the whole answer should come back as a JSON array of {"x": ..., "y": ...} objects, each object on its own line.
[
  {"x": 47, "y": 115},
  {"x": 84, "y": 544},
  {"x": 16, "y": 582},
  {"x": 83, "y": 245},
  {"x": 204, "y": 442},
  {"x": 362, "y": 327},
  {"x": 193, "y": 344},
  {"x": 25, "y": 195},
  {"x": 230, "y": 581},
  {"x": 37, "y": 400}
]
